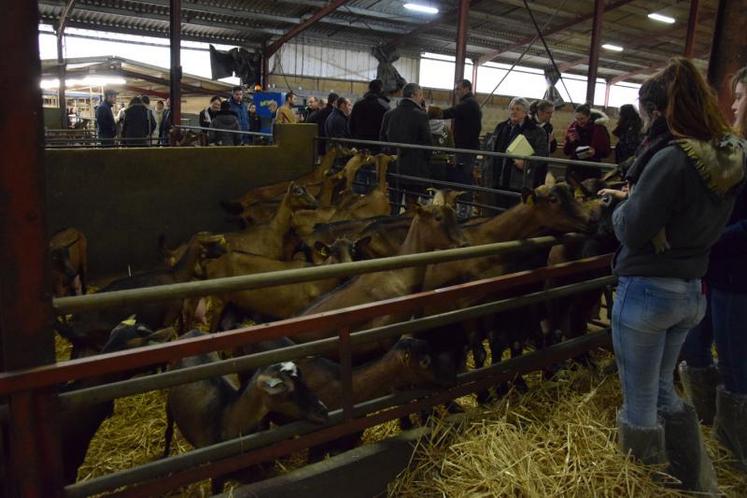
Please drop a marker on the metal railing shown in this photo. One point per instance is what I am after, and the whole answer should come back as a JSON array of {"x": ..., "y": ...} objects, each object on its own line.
[{"x": 221, "y": 130}]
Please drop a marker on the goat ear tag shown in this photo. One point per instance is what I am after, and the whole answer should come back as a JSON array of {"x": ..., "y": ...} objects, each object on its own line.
[{"x": 130, "y": 321}]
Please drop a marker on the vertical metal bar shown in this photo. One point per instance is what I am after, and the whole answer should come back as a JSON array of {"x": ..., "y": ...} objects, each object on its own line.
[
  {"x": 27, "y": 339},
  {"x": 461, "y": 42},
  {"x": 475, "y": 66},
  {"x": 175, "y": 41},
  {"x": 61, "y": 76},
  {"x": 596, "y": 41},
  {"x": 728, "y": 51},
  {"x": 346, "y": 373},
  {"x": 692, "y": 28},
  {"x": 607, "y": 89}
]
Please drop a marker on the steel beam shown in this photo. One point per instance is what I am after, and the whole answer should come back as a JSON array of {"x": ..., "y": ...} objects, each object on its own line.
[
  {"x": 561, "y": 27},
  {"x": 596, "y": 41},
  {"x": 461, "y": 41},
  {"x": 61, "y": 61},
  {"x": 175, "y": 77},
  {"x": 27, "y": 340},
  {"x": 331, "y": 7},
  {"x": 728, "y": 52},
  {"x": 692, "y": 28}
]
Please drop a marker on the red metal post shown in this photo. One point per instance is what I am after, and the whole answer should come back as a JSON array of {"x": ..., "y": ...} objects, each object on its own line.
[
  {"x": 728, "y": 52},
  {"x": 692, "y": 28},
  {"x": 27, "y": 340},
  {"x": 175, "y": 41},
  {"x": 461, "y": 41},
  {"x": 596, "y": 41},
  {"x": 297, "y": 30}
]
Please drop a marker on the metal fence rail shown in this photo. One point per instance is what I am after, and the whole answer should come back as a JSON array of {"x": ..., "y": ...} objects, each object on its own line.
[{"x": 221, "y": 130}]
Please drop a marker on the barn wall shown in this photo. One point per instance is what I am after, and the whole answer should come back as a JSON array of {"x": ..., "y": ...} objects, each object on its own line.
[{"x": 123, "y": 199}]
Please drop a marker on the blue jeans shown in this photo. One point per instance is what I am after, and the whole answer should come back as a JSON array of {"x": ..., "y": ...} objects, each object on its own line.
[
  {"x": 697, "y": 349},
  {"x": 650, "y": 319},
  {"x": 729, "y": 312}
]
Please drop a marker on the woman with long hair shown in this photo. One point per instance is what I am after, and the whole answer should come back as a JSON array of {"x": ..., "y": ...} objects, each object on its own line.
[
  {"x": 720, "y": 394},
  {"x": 628, "y": 133},
  {"x": 686, "y": 192}
]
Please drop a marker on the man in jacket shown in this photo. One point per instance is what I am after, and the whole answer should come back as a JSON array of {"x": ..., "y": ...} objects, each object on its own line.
[
  {"x": 138, "y": 124},
  {"x": 320, "y": 118},
  {"x": 467, "y": 118},
  {"x": 224, "y": 119},
  {"x": 286, "y": 114},
  {"x": 336, "y": 125},
  {"x": 106, "y": 128},
  {"x": 238, "y": 107},
  {"x": 408, "y": 123},
  {"x": 368, "y": 113}
]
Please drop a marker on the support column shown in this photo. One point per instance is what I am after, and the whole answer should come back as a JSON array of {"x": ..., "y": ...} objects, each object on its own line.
[
  {"x": 474, "y": 75},
  {"x": 61, "y": 76},
  {"x": 26, "y": 337},
  {"x": 607, "y": 89},
  {"x": 728, "y": 52},
  {"x": 596, "y": 41},
  {"x": 461, "y": 41},
  {"x": 175, "y": 41},
  {"x": 692, "y": 27}
]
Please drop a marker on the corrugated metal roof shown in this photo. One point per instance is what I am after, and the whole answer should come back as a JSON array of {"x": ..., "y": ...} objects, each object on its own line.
[{"x": 494, "y": 26}]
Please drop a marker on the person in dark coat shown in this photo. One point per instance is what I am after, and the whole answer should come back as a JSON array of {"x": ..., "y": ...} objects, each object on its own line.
[
  {"x": 225, "y": 119},
  {"x": 320, "y": 118},
  {"x": 542, "y": 111},
  {"x": 467, "y": 118},
  {"x": 337, "y": 124},
  {"x": 628, "y": 133},
  {"x": 238, "y": 106},
  {"x": 106, "y": 128},
  {"x": 165, "y": 127},
  {"x": 368, "y": 113},
  {"x": 517, "y": 174},
  {"x": 584, "y": 132},
  {"x": 408, "y": 123},
  {"x": 138, "y": 124},
  {"x": 208, "y": 113}
]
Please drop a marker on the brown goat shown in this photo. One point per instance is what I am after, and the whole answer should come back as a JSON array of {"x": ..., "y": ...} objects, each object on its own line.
[{"x": 68, "y": 252}]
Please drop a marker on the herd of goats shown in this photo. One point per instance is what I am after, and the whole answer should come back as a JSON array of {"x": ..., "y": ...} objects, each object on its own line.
[{"x": 317, "y": 219}]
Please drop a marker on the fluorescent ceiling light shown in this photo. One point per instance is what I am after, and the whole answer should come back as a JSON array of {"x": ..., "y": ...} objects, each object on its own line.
[
  {"x": 661, "y": 18},
  {"x": 425, "y": 9},
  {"x": 614, "y": 48},
  {"x": 88, "y": 81}
]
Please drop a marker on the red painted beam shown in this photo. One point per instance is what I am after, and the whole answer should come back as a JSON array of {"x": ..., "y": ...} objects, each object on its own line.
[
  {"x": 297, "y": 30},
  {"x": 175, "y": 77},
  {"x": 692, "y": 27},
  {"x": 561, "y": 27},
  {"x": 26, "y": 338},
  {"x": 596, "y": 42}
]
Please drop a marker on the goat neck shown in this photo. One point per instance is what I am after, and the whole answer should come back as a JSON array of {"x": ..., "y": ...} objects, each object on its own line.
[
  {"x": 244, "y": 413},
  {"x": 184, "y": 268},
  {"x": 519, "y": 222}
]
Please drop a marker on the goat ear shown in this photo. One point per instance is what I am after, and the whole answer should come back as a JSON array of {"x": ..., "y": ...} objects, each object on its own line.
[
  {"x": 528, "y": 197},
  {"x": 363, "y": 241},
  {"x": 321, "y": 248},
  {"x": 550, "y": 180},
  {"x": 271, "y": 385}
]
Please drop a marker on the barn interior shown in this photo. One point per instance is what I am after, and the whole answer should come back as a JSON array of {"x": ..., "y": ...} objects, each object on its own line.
[{"x": 132, "y": 201}]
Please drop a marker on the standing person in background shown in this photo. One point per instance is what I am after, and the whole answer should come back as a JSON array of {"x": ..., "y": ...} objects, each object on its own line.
[
  {"x": 158, "y": 116},
  {"x": 106, "y": 128},
  {"x": 225, "y": 119},
  {"x": 238, "y": 107},
  {"x": 719, "y": 395},
  {"x": 151, "y": 119},
  {"x": 321, "y": 117},
  {"x": 408, "y": 123},
  {"x": 138, "y": 124},
  {"x": 165, "y": 127},
  {"x": 518, "y": 174},
  {"x": 286, "y": 113},
  {"x": 255, "y": 123},
  {"x": 686, "y": 192},
  {"x": 208, "y": 113},
  {"x": 541, "y": 112},
  {"x": 368, "y": 113},
  {"x": 312, "y": 106},
  {"x": 628, "y": 133},
  {"x": 467, "y": 125},
  {"x": 338, "y": 124},
  {"x": 593, "y": 139}
]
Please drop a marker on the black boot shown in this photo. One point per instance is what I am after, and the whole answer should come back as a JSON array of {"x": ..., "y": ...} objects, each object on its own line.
[
  {"x": 730, "y": 424},
  {"x": 688, "y": 461},
  {"x": 700, "y": 388},
  {"x": 644, "y": 443}
]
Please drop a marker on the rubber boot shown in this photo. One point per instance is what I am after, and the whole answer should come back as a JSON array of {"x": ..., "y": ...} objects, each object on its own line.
[
  {"x": 645, "y": 443},
  {"x": 700, "y": 389},
  {"x": 730, "y": 424},
  {"x": 688, "y": 461}
]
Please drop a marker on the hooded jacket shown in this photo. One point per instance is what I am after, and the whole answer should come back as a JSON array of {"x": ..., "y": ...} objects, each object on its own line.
[
  {"x": 367, "y": 115},
  {"x": 138, "y": 125},
  {"x": 688, "y": 188},
  {"x": 225, "y": 120}
]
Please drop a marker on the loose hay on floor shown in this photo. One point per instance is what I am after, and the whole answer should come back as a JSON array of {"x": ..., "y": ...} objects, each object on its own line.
[{"x": 558, "y": 440}]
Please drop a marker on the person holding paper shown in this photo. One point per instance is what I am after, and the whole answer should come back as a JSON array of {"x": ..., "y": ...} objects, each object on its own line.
[
  {"x": 524, "y": 137},
  {"x": 586, "y": 140}
]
